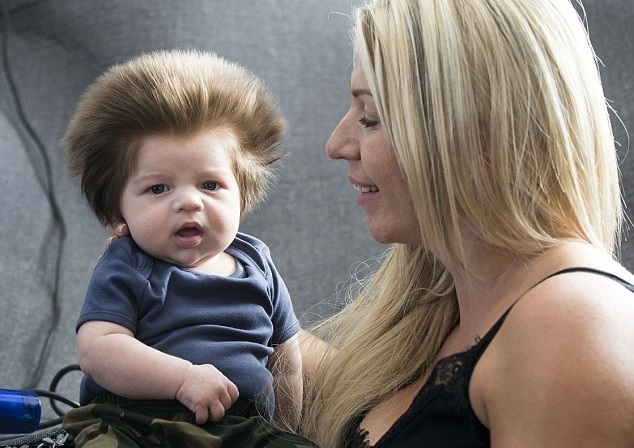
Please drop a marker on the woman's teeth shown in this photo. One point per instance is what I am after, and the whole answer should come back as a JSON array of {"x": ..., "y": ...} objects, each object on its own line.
[{"x": 366, "y": 189}]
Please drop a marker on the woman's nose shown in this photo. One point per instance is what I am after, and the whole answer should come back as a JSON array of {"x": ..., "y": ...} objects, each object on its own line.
[
  {"x": 188, "y": 199},
  {"x": 343, "y": 143}
]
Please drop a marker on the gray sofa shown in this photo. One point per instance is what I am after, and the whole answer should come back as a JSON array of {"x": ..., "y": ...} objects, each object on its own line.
[{"x": 49, "y": 241}]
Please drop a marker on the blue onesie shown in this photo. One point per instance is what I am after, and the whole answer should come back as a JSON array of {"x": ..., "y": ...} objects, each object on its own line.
[{"x": 231, "y": 322}]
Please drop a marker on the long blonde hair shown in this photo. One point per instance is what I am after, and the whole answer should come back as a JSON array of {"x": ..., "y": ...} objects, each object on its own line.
[{"x": 498, "y": 121}]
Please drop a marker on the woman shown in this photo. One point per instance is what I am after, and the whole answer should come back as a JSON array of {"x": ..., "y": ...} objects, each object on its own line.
[{"x": 479, "y": 141}]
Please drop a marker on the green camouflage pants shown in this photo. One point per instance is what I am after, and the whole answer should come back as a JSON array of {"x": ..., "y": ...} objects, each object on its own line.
[{"x": 107, "y": 425}]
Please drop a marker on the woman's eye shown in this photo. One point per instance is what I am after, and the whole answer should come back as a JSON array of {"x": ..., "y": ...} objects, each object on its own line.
[
  {"x": 157, "y": 189},
  {"x": 210, "y": 185},
  {"x": 368, "y": 122}
]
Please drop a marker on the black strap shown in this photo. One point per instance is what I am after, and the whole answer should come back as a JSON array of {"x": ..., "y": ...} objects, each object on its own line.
[
  {"x": 616, "y": 278},
  {"x": 488, "y": 337}
]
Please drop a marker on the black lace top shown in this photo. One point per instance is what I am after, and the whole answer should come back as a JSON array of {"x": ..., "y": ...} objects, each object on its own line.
[{"x": 441, "y": 415}]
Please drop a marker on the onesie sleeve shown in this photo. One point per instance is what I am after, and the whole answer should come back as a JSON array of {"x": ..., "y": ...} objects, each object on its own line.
[
  {"x": 279, "y": 307},
  {"x": 285, "y": 323},
  {"x": 116, "y": 288}
]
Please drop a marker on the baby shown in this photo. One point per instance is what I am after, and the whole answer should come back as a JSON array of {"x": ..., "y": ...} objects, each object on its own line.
[{"x": 186, "y": 321}]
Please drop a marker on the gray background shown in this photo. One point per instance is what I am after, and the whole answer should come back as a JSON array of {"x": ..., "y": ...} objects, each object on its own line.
[{"x": 55, "y": 48}]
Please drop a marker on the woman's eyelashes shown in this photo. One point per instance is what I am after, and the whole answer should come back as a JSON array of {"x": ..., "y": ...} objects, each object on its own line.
[{"x": 369, "y": 122}]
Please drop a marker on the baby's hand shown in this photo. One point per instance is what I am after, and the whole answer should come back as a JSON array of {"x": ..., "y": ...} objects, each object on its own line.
[{"x": 207, "y": 393}]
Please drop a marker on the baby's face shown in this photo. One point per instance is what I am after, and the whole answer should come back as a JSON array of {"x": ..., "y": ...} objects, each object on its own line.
[{"x": 182, "y": 204}]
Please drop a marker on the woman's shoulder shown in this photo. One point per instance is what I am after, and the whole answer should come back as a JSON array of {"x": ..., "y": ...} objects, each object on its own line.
[
  {"x": 576, "y": 305},
  {"x": 580, "y": 288},
  {"x": 566, "y": 352},
  {"x": 588, "y": 293}
]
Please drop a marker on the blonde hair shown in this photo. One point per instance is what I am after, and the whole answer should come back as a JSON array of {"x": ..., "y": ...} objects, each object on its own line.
[
  {"x": 498, "y": 121},
  {"x": 171, "y": 93}
]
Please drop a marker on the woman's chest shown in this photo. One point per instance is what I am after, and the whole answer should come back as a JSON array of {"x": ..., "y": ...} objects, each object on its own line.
[
  {"x": 434, "y": 411},
  {"x": 382, "y": 417}
]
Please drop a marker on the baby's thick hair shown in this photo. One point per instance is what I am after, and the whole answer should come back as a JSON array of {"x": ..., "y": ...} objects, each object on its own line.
[{"x": 171, "y": 93}]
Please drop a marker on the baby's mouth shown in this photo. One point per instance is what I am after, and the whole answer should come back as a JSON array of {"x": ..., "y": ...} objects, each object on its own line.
[
  {"x": 188, "y": 231},
  {"x": 189, "y": 235}
]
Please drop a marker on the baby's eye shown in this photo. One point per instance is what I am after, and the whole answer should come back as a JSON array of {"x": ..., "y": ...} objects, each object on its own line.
[
  {"x": 157, "y": 189},
  {"x": 210, "y": 185},
  {"x": 368, "y": 122}
]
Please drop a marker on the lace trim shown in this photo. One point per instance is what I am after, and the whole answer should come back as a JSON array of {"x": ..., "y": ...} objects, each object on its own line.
[{"x": 449, "y": 372}]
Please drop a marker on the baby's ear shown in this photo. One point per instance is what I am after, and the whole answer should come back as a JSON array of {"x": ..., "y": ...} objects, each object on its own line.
[{"x": 120, "y": 229}]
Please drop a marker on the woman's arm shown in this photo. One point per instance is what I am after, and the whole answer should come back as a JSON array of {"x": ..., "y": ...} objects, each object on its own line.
[
  {"x": 313, "y": 351},
  {"x": 112, "y": 357},
  {"x": 286, "y": 365}
]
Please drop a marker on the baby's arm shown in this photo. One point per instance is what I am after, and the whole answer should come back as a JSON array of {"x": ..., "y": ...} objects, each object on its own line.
[
  {"x": 112, "y": 357},
  {"x": 286, "y": 365}
]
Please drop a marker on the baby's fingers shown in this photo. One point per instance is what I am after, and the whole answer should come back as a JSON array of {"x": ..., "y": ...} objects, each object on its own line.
[
  {"x": 216, "y": 411},
  {"x": 232, "y": 393}
]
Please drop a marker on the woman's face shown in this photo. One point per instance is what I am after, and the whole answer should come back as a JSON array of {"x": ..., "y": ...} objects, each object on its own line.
[{"x": 361, "y": 140}]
